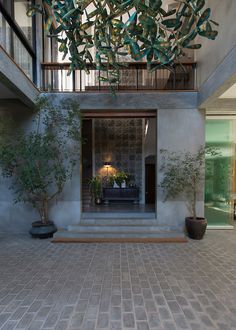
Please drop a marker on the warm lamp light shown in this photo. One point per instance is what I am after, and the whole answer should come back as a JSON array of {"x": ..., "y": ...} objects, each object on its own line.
[{"x": 107, "y": 165}]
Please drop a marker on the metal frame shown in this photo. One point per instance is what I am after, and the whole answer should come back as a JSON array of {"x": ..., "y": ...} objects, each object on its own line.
[{"x": 9, "y": 17}]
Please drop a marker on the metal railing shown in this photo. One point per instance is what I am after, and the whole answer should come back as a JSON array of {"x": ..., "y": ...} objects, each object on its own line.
[{"x": 134, "y": 77}]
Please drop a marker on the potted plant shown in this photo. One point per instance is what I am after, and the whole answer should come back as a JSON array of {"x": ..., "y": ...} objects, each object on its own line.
[
  {"x": 183, "y": 174},
  {"x": 41, "y": 161},
  {"x": 120, "y": 179},
  {"x": 95, "y": 187}
]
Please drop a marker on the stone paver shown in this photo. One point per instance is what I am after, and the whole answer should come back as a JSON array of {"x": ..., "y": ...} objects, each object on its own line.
[{"x": 118, "y": 286}]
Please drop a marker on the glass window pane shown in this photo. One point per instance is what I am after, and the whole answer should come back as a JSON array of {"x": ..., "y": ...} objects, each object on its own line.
[
  {"x": 5, "y": 34},
  {"x": 24, "y": 22},
  {"x": 22, "y": 57},
  {"x": 219, "y": 171}
]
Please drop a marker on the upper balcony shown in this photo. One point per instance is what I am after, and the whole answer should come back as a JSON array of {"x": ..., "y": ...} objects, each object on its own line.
[{"x": 134, "y": 77}]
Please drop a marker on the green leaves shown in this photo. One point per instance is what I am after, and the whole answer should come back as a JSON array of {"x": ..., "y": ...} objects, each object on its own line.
[
  {"x": 183, "y": 174},
  {"x": 114, "y": 27},
  {"x": 171, "y": 22},
  {"x": 40, "y": 162},
  {"x": 204, "y": 17}
]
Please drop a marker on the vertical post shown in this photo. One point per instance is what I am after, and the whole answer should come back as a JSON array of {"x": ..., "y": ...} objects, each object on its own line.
[
  {"x": 137, "y": 84},
  {"x": 80, "y": 80},
  {"x": 174, "y": 80},
  {"x": 73, "y": 80},
  {"x": 99, "y": 81},
  {"x": 43, "y": 76},
  {"x": 156, "y": 79}
]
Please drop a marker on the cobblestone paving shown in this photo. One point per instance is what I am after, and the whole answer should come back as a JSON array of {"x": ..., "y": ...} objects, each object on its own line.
[{"x": 118, "y": 286}]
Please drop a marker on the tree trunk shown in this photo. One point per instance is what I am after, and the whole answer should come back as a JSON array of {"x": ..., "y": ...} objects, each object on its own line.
[
  {"x": 44, "y": 216},
  {"x": 194, "y": 200}
]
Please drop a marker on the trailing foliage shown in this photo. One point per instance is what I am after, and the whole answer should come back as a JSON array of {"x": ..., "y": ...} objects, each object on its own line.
[
  {"x": 183, "y": 174},
  {"x": 42, "y": 160},
  {"x": 116, "y": 28}
]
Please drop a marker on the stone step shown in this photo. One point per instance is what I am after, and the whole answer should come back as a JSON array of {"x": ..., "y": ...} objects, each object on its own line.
[
  {"x": 119, "y": 215},
  {"x": 117, "y": 229},
  {"x": 119, "y": 236},
  {"x": 119, "y": 222}
]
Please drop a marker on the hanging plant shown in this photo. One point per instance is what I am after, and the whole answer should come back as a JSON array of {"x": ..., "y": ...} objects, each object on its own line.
[{"x": 116, "y": 28}]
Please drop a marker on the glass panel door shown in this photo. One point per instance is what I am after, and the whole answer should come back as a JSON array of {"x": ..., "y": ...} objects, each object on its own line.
[{"x": 219, "y": 172}]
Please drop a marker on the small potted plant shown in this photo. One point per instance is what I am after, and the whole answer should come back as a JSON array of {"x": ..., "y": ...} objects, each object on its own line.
[
  {"x": 95, "y": 187},
  {"x": 41, "y": 161},
  {"x": 183, "y": 174},
  {"x": 120, "y": 179}
]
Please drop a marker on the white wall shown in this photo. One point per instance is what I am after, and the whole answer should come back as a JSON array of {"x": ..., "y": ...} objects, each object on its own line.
[{"x": 213, "y": 53}]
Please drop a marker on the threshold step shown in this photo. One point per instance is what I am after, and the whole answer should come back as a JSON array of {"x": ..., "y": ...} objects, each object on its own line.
[
  {"x": 155, "y": 237},
  {"x": 117, "y": 228},
  {"x": 117, "y": 215},
  {"x": 119, "y": 222}
]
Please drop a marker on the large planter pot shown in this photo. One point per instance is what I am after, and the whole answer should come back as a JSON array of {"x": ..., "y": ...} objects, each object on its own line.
[
  {"x": 196, "y": 227},
  {"x": 41, "y": 230}
]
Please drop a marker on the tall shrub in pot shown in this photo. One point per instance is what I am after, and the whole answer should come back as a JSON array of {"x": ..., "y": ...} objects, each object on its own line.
[
  {"x": 41, "y": 161},
  {"x": 183, "y": 175}
]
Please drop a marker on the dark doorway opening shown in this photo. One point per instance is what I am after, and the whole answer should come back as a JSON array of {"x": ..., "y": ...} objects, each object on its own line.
[
  {"x": 87, "y": 159},
  {"x": 150, "y": 183}
]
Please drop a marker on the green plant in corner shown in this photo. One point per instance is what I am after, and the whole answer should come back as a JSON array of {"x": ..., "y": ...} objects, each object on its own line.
[
  {"x": 41, "y": 161},
  {"x": 183, "y": 175}
]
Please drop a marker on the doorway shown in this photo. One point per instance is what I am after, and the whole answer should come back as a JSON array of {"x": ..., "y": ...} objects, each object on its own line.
[{"x": 116, "y": 142}]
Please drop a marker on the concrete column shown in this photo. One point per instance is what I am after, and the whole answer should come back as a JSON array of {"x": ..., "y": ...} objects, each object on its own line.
[{"x": 177, "y": 130}]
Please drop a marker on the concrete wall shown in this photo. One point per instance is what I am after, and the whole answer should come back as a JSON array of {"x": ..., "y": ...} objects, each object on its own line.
[
  {"x": 178, "y": 130},
  {"x": 213, "y": 53},
  {"x": 18, "y": 217},
  {"x": 13, "y": 217},
  {"x": 179, "y": 125},
  {"x": 15, "y": 79}
]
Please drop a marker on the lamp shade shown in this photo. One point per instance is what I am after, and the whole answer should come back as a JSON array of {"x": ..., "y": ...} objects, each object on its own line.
[{"x": 107, "y": 164}]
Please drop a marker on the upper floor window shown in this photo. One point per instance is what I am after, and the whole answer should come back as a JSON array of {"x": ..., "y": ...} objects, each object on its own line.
[
  {"x": 17, "y": 34},
  {"x": 24, "y": 21}
]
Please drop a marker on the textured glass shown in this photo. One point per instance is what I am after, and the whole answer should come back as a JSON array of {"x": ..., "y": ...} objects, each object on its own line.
[{"x": 219, "y": 172}]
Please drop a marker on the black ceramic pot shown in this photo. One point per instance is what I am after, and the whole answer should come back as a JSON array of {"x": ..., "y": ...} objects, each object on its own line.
[
  {"x": 196, "y": 228},
  {"x": 41, "y": 230}
]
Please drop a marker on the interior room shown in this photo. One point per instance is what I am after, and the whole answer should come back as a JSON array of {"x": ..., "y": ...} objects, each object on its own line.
[{"x": 119, "y": 163}]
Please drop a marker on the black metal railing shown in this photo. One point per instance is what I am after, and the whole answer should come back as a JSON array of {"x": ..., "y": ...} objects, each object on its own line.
[{"x": 134, "y": 77}]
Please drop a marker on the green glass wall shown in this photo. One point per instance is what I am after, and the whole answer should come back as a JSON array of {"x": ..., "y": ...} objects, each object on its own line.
[{"x": 219, "y": 172}]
